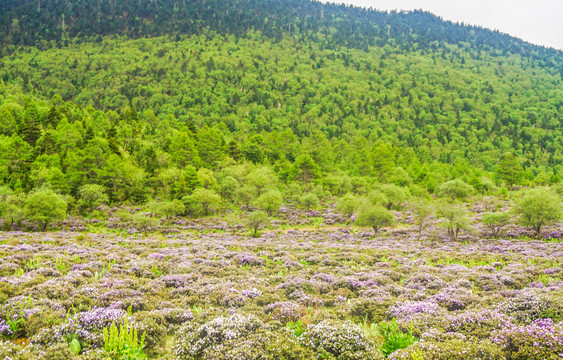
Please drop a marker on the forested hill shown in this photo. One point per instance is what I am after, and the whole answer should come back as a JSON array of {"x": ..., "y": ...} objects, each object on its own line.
[
  {"x": 31, "y": 22},
  {"x": 148, "y": 89}
]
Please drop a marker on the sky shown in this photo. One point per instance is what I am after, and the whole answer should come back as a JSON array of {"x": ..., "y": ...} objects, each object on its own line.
[{"x": 536, "y": 21}]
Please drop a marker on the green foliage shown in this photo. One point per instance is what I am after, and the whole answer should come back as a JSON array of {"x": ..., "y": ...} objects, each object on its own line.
[
  {"x": 11, "y": 206},
  {"x": 123, "y": 343},
  {"x": 228, "y": 187},
  {"x": 16, "y": 323},
  {"x": 422, "y": 209},
  {"x": 270, "y": 201},
  {"x": 91, "y": 196},
  {"x": 268, "y": 101},
  {"x": 309, "y": 201},
  {"x": 394, "y": 338},
  {"x": 183, "y": 150},
  {"x": 206, "y": 178},
  {"x": 257, "y": 220},
  {"x": 168, "y": 209},
  {"x": 451, "y": 349},
  {"x": 304, "y": 169},
  {"x": 375, "y": 217},
  {"x": 509, "y": 170},
  {"x": 455, "y": 218},
  {"x": 455, "y": 190},
  {"x": 495, "y": 221},
  {"x": 538, "y": 208},
  {"x": 143, "y": 222},
  {"x": 394, "y": 195},
  {"x": 44, "y": 206},
  {"x": 210, "y": 146},
  {"x": 207, "y": 199},
  {"x": 347, "y": 205},
  {"x": 245, "y": 194}
]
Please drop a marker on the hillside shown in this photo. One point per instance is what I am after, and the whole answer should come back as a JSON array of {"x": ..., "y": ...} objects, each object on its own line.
[{"x": 362, "y": 93}]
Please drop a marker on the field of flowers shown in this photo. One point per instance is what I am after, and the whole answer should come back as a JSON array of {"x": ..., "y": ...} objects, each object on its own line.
[{"x": 203, "y": 290}]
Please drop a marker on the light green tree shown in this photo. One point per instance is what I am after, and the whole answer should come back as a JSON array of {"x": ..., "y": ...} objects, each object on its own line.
[
  {"x": 422, "y": 210},
  {"x": 455, "y": 218},
  {"x": 495, "y": 221},
  {"x": 91, "y": 196},
  {"x": 168, "y": 209},
  {"x": 143, "y": 222},
  {"x": 395, "y": 195},
  {"x": 206, "y": 178},
  {"x": 309, "y": 201},
  {"x": 374, "y": 216},
  {"x": 246, "y": 194},
  {"x": 44, "y": 206},
  {"x": 208, "y": 199},
  {"x": 347, "y": 205},
  {"x": 455, "y": 190},
  {"x": 270, "y": 201},
  {"x": 228, "y": 187},
  {"x": 538, "y": 208},
  {"x": 257, "y": 220}
]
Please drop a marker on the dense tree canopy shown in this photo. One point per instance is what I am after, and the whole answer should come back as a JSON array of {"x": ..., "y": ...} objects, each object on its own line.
[{"x": 240, "y": 106}]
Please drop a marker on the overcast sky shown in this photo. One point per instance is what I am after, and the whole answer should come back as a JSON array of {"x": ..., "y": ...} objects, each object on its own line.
[{"x": 536, "y": 21}]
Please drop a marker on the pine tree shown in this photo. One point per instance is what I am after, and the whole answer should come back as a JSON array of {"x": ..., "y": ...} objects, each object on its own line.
[
  {"x": 234, "y": 150},
  {"x": 31, "y": 131},
  {"x": 210, "y": 147},
  {"x": 190, "y": 124},
  {"x": 53, "y": 117},
  {"x": 89, "y": 135}
]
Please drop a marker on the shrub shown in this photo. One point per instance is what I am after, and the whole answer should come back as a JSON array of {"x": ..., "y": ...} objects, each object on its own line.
[
  {"x": 369, "y": 310},
  {"x": 261, "y": 345},
  {"x": 192, "y": 340},
  {"x": 477, "y": 323},
  {"x": 343, "y": 340},
  {"x": 542, "y": 340},
  {"x": 285, "y": 311},
  {"x": 59, "y": 351},
  {"x": 525, "y": 307},
  {"x": 451, "y": 349}
]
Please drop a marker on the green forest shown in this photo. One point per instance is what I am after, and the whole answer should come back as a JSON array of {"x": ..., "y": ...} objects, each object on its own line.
[{"x": 149, "y": 109}]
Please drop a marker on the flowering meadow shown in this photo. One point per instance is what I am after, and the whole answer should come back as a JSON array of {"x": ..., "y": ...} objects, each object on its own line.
[{"x": 201, "y": 289}]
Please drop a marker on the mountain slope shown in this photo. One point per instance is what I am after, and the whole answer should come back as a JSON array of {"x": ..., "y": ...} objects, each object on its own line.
[
  {"x": 361, "y": 92},
  {"x": 29, "y": 22}
]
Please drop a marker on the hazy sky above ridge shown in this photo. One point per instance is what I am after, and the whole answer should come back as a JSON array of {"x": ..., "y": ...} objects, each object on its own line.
[{"x": 538, "y": 22}]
